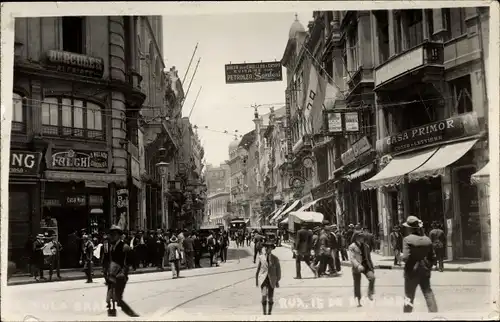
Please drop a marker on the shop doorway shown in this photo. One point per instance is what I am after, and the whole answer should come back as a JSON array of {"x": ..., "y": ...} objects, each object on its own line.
[
  {"x": 467, "y": 205},
  {"x": 426, "y": 201},
  {"x": 69, "y": 220}
]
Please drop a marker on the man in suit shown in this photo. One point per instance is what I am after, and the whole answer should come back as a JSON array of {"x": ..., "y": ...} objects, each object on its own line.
[
  {"x": 174, "y": 256},
  {"x": 268, "y": 276},
  {"x": 303, "y": 245},
  {"x": 188, "y": 245},
  {"x": 418, "y": 256},
  {"x": 397, "y": 244},
  {"x": 359, "y": 254},
  {"x": 438, "y": 239}
]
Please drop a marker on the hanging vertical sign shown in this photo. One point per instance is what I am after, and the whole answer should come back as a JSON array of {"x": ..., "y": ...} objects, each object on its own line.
[
  {"x": 122, "y": 208},
  {"x": 288, "y": 116}
]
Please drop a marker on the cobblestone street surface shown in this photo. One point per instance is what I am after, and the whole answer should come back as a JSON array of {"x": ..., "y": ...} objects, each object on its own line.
[{"x": 228, "y": 292}]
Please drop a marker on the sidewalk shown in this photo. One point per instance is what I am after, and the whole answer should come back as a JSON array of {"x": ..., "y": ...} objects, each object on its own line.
[
  {"x": 71, "y": 274},
  {"x": 387, "y": 262}
]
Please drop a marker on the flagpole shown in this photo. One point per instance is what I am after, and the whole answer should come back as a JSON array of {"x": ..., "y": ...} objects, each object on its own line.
[{"x": 322, "y": 68}]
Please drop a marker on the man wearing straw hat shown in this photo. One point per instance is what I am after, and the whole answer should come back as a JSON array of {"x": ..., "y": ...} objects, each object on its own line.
[
  {"x": 418, "y": 256},
  {"x": 268, "y": 276}
]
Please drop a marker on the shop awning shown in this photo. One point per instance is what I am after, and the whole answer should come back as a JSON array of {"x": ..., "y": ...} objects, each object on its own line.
[
  {"x": 67, "y": 176},
  {"x": 247, "y": 221},
  {"x": 287, "y": 210},
  {"x": 393, "y": 173},
  {"x": 312, "y": 203},
  {"x": 482, "y": 176},
  {"x": 359, "y": 172},
  {"x": 279, "y": 212},
  {"x": 273, "y": 213},
  {"x": 284, "y": 221},
  {"x": 445, "y": 155}
]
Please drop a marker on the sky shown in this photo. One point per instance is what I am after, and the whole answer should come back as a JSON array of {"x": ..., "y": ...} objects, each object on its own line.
[{"x": 224, "y": 39}]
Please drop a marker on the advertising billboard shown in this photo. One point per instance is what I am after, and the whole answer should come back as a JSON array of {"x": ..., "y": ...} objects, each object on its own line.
[{"x": 253, "y": 72}]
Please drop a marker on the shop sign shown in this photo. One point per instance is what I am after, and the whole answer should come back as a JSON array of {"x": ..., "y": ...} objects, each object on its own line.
[
  {"x": 79, "y": 160},
  {"x": 456, "y": 127},
  {"x": 95, "y": 200},
  {"x": 335, "y": 122},
  {"x": 357, "y": 148},
  {"x": 52, "y": 203},
  {"x": 351, "y": 120},
  {"x": 76, "y": 200},
  {"x": 73, "y": 63},
  {"x": 254, "y": 72},
  {"x": 25, "y": 162},
  {"x": 122, "y": 208}
]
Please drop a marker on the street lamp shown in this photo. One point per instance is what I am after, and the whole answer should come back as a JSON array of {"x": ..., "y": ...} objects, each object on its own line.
[{"x": 163, "y": 169}]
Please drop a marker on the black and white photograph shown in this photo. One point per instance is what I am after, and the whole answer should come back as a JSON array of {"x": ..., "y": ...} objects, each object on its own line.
[{"x": 284, "y": 160}]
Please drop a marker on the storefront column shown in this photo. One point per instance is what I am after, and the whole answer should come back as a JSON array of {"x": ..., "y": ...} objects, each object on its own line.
[
  {"x": 112, "y": 204},
  {"x": 450, "y": 218},
  {"x": 402, "y": 215},
  {"x": 385, "y": 221},
  {"x": 485, "y": 220}
]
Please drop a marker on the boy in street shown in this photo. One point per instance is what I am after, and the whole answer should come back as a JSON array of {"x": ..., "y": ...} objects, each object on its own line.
[
  {"x": 359, "y": 254},
  {"x": 268, "y": 276}
]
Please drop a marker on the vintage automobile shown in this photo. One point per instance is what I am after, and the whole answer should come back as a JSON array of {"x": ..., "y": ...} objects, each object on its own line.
[{"x": 270, "y": 233}]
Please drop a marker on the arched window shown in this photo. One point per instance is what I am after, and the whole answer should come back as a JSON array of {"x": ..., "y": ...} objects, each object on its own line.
[
  {"x": 18, "y": 115},
  {"x": 71, "y": 117}
]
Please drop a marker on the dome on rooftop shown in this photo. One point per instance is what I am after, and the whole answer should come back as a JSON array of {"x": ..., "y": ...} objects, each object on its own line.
[
  {"x": 295, "y": 28},
  {"x": 234, "y": 145}
]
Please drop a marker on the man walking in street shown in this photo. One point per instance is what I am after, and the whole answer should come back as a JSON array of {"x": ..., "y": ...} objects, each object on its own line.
[
  {"x": 117, "y": 278},
  {"x": 55, "y": 258},
  {"x": 418, "y": 256},
  {"x": 174, "y": 256},
  {"x": 268, "y": 276},
  {"x": 197, "y": 250},
  {"x": 397, "y": 245},
  {"x": 359, "y": 253},
  {"x": 87, "y": 256},
  {"x": 257, "y": 245},
  {"x": 438, "y": 239},
  {"x": 212, "y": 244},
  {"x": 303, "y": 245},
  {"x": 188, "y": 245}
]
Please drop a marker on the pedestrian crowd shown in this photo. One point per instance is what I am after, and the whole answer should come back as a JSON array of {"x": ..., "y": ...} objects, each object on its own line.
[
  {"x": 323, "y": 247},
  {"x": 153, "y": 249}
]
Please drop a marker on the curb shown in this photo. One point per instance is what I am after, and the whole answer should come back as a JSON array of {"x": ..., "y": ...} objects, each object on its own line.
[{"x": 446, "y": 269}]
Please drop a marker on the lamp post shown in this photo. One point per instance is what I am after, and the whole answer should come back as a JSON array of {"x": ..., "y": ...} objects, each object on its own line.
[{"x": 163, "y": 169}]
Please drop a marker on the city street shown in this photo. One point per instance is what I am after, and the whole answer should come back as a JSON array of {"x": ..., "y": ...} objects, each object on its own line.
[{"x": 229, "y": 292}]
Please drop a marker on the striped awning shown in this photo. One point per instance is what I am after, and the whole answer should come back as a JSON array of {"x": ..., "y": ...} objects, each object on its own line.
[
  {"x": 278, "y": 212},
  {"x": 482, "y": 176},
  {"x": 287, "y": 210},
  {"x": 312, "y": 203}
]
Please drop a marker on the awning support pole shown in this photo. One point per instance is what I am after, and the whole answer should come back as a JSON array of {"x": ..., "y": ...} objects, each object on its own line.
[{"x": 406, "y": 199}]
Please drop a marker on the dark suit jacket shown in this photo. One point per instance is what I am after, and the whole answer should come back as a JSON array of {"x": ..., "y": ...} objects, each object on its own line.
[
  {"x": 188, "y": 244},
  {"x": 418, "y": 254},
  {"x": 303, "y": 242},
  {"x": 438, "y": 238}
]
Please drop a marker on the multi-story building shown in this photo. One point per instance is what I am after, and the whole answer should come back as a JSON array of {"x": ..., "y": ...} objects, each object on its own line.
[
  {"x": 218, "y": 178},
  {"x": 413, "y": 89},
  {"x": 217, "y": 208},
  {"x": 429, "y": 80},
  {"x": 238, "y": 157},
  {"x": 77, "y": 86}
]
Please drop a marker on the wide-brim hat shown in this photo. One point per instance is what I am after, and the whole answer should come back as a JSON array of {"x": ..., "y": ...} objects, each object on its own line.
[
  {"x": 413, "y": 222},
  {"x": 351, "y": 226},
  {"x": 40, "y": 236},
  {"x": 173, "y": 239},
  {"x": 115, "y": 228}
]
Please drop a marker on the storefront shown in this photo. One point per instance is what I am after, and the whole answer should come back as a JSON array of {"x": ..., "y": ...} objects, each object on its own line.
[
  {"x": 426, "y": 172},
  {"x": 80, "y": 193},
  {"x": 24, "y": 197},
  {"x": 360, "y": 205},
  {"x": 324, "y": 201}
]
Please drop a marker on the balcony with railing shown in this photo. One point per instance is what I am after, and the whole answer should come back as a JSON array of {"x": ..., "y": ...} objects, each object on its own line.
[{"x": 420, "y": 63}]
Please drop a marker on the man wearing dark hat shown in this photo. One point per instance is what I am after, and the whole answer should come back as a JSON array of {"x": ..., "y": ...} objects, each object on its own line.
[
  {"x": 174, "y": 256},
  {"x": 397, "y": 244},
  {"x": 359, "y": 253},
  {"x": 118, "y": 273},
  {"x": 87, "y": 255},
  {"x": 38, "y": 259},
  {"x": 268, "y": 276},
  {"x": 303, "y": 246},
  {"x": 418, "y": 256},
  {"x": 257, "y": 244},
  {"x": 438, "y": 239}
]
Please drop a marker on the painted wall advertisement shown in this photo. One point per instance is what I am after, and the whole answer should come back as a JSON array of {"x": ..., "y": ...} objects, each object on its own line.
[{"x": 122, "y": 205}]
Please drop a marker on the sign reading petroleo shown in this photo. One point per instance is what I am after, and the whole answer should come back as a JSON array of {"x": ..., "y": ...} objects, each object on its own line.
[{"x": 254, "y": 72}]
